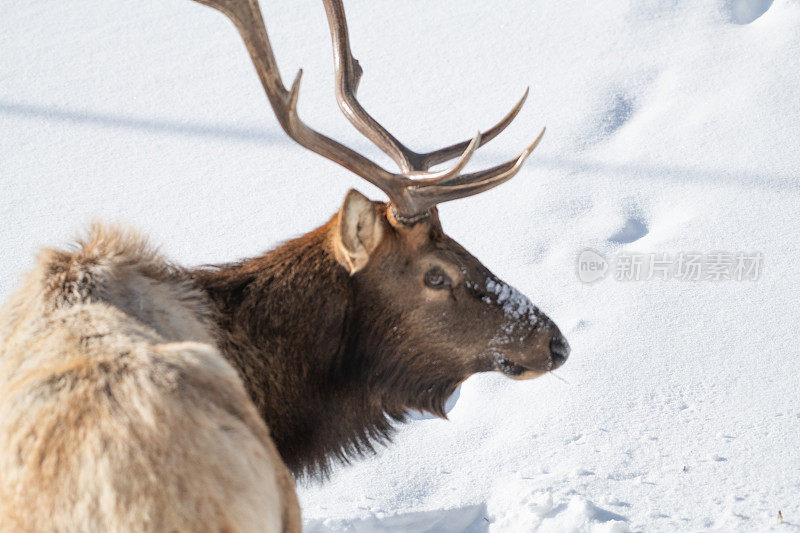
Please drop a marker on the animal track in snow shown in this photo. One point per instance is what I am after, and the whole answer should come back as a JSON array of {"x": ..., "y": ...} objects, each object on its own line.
[
  {"x": 635, "y": 225},
  {"x": 618, "y": 112},
  {"x": 615, "y": 108},
  {"x": 634, "y": 228},
  {"x": 747, "y": 11}
]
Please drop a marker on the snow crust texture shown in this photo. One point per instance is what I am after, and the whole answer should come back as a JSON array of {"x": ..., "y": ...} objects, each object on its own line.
[{"x": 672, "y": 126}]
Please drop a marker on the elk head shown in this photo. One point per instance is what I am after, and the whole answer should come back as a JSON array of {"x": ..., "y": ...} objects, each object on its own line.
[
  {"x": 442, "y": 312},
  {"x": 436, "y": 304}
]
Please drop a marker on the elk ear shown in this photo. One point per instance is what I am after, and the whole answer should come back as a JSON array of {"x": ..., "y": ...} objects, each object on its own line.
[{"x": 358, "y": 232}]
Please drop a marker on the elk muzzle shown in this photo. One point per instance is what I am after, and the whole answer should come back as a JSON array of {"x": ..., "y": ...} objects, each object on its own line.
[
  {"x": 526, "y": 343},
  {"x": 531, "y": 359},
  {"x": 559, "y": 349}
]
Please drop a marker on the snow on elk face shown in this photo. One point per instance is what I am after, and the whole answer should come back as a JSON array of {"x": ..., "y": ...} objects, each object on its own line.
[{"x": 527, "y": 343}]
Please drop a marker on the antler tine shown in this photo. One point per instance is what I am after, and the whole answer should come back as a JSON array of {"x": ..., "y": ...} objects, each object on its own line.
[
  {"x": 246, "y": 16},
  {"x": 441, "y": 155},
  {"x": 465, "y": 185},
  {"x": 348, "y": 75},
  {"x": 433, "y": 178}
]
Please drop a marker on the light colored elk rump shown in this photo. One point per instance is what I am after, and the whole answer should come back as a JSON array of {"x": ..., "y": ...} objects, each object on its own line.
[{"x": 117, "y": 411}]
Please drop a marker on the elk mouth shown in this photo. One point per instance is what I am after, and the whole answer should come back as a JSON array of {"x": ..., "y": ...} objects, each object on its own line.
[
  {"x": 515, "y": 370},
  {"x": 556, "y": 356}
]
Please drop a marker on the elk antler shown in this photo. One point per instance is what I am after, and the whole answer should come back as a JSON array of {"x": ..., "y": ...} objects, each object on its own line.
[{"x": 410, "y": 198}]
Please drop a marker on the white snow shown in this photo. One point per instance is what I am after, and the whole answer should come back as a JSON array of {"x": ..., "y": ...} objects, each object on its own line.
[
  {"x": 516, "y": 305},
  {"x": 673, "y": 126}
]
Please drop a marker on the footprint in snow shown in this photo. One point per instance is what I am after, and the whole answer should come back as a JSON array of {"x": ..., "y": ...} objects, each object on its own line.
[
  {"x": 633, "y": 229},
  {"x": 634, "y": 225},
  {"x": 747, "y": 11},
  {"x": 619, "y": 110}
]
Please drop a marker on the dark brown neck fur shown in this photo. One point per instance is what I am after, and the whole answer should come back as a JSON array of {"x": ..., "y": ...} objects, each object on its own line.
[{"x": 320, "y": 369}]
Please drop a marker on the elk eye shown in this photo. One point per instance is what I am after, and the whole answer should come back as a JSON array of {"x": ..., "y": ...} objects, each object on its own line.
[{"x": 435, "y": 278}]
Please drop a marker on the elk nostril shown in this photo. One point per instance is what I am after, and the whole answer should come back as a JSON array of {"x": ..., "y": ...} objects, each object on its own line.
[{"x": 559, "y": 350}]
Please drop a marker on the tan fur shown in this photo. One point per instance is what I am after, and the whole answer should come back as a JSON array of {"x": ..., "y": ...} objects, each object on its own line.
[{"x": 117, "y": 411}]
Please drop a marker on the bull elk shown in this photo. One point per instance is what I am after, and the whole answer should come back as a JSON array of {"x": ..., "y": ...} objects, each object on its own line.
[{"x": 139, "y": 395}]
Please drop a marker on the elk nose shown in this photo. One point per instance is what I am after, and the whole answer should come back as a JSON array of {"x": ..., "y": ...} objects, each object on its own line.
[{"x": 559, "y": 349}]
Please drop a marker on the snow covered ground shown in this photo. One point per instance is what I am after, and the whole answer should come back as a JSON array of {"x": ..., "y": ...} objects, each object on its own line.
[{"x": 673, "y": 127}]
